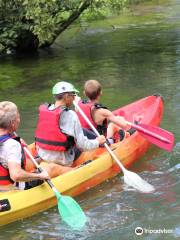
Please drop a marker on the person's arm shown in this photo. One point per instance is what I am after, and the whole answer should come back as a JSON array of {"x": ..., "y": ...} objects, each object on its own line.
[
  {"x": 118, "y": 120},
  {"x": 17, "y": 174},
  {"x": 83, "y": 142},
  {"x": 13, "y": 156},
  {"x": 70, "y": 125}
]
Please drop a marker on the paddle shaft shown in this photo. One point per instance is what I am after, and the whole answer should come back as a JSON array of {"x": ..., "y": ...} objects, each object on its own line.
[
  {"x": 37, "y": 165},
  {"x": 145, "y": 131},
  {"x": 97, "y": 133},
  {"x": 39, "y": 168},
  {"x": 130, "y": 178},
  {"x": 70, "y": 211}
]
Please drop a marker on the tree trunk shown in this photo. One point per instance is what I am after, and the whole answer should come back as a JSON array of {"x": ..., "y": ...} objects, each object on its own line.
[
  {"x": 27, "y": 42},
  {"x": 64, "y": 25}
]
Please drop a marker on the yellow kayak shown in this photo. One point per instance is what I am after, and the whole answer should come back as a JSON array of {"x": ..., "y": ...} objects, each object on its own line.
[{"x": 19, "y": 204}]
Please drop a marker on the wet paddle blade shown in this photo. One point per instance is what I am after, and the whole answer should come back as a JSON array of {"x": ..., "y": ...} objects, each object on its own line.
[
  {"x": 135, "y": 181},
  {"x": 69, "y": 209},
  {"x": 71, "y": 212},
  {"x": 158, "y": 136}
]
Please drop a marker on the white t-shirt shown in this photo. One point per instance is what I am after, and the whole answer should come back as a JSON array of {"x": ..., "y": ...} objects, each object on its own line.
[{"x": 10, "y": 151}]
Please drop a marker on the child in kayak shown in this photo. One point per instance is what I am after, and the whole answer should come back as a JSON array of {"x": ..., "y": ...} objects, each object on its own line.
[
  {"x": 103, "y": 119},
  {"x": 12, "y": 158},
  {"x": 59, "y": 135}
]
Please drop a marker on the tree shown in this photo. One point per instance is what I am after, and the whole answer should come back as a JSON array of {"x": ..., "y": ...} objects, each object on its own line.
[{"x": 26, "y": 25}]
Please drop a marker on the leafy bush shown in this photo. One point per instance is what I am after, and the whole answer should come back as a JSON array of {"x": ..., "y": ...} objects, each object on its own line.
[{"x": 26, "y": 25}]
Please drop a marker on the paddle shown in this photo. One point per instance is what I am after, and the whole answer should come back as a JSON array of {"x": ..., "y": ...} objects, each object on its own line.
[
  {"x": 156, "y": 135},
  {"x": 69, "y": 209},
  {"x": 130, "y": 178}
]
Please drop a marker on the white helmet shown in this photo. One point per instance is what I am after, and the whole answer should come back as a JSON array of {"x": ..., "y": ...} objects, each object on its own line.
[{"x": 63, "y": 87}]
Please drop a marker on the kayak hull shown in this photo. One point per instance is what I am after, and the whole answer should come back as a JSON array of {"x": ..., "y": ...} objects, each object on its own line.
[{"x": 25, "y": 203}]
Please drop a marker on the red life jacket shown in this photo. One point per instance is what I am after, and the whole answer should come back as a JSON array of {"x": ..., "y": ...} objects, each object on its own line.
[
  {"x": 48, "y": 135},
  {"x": 87, "y": 107},
  {"x": 4, "y": 172}
]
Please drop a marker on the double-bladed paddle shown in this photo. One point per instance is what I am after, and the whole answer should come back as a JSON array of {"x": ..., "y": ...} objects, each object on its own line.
[
  {"x": 69, "y": 209},
  {"x": 156, "y": 135},
  {"x": 130, "y": 178}
]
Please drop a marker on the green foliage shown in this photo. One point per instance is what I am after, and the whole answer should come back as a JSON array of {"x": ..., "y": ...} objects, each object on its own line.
[
  {"x": 100, "y": 9},
  {"x": 29, "y": 24},
  {"x": 35, "y": 19},
  {"x": 9, "y": 14}
]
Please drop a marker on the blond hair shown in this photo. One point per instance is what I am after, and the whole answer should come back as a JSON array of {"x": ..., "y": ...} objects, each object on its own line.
[
  {"x": 92, "y": 89},
  {"x": 8, "y": 114}
]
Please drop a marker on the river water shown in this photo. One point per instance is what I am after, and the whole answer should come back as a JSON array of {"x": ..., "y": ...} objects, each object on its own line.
[{"x": 133, "y": 56}]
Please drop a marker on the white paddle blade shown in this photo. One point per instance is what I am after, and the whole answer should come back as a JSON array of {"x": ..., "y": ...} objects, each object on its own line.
[{"x": 135, "y": 181}]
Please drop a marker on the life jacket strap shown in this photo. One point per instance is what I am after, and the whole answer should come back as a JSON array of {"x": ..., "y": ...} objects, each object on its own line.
[
  {"x": 4, "y": 138},
  {"x": 53, "y": 143}
]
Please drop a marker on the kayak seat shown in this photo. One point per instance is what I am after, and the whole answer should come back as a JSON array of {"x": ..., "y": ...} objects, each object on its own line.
[
  {"x": 85, "y": 163},
  {"x": 33, "y": 183},
  {"x": 131, "y": 131}
]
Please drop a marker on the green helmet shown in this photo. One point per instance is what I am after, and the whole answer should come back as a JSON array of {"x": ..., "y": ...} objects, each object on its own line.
[{"x": 63, "y": 87}]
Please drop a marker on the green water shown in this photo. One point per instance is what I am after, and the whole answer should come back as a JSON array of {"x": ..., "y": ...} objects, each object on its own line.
[{"x": 133, "y": 56}]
